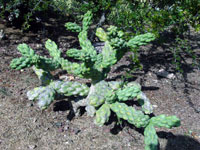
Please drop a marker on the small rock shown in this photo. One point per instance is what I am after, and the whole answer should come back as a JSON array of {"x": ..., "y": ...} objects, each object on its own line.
[
  {"x": 77, "y": 131},
  {"x": 38, "y": 45},
  {"x": 46, "y": 128},
  {"x": 30, "y": 104},
  {"x": 2, "y": 34},
  {"x": 58, "y": 124},
  {"x": 32, "y": 146},
  {"x": 66, "y": 128},
  {"x": 67, "y": 142},
  {"x": 165, "y": 74},
  {"x": 156, "y": 81},
  {"x": 155, "y": 106},
  {"x": 35, "y": 120}
]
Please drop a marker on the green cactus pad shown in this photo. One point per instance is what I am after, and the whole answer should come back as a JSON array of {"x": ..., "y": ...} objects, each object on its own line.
[
  {"x": 28, "y": 58},
  {"x": 165, "y": 121},
  {"x": 87, "y": 20},
  {"x": 98, "y": 97},
  {"x": 46, "y": 98},
  {"x": 109, "y": 56},
  {"x": 44, "y": 95},
  {"x": 20, "y": 63},
  {"x": 74, "y": 68},
  {"x": 48, "y": 64},
  {"x": 87, "y": 47},
  {"x": 25, "y": 50},
  {"x": 56, "y": 85},
  {"x": 101, "y": 34},
  {"x": 150, "y": 138},
  {"x": 90, "y": 110},
  {"x": 80, "y": 54},
  {"x": 110, "y": 96},
  {"x": 129, "y": 91},
  {"x": 69, "y": 88},
  {"x": 141, "y": 40},
  {"x": 117, "y": 43},
  {"x": 102, "y": 115},
  {"x": 73, "y": 27},
  {"x": 44, "y": 76},
  {"x": 33, "y": 94},
  {"x": 115, "y": 85},
  {"x": 53, "y": 49},
  {"x": 75, "y": 53},
  {"x": 137, "y": 118}
]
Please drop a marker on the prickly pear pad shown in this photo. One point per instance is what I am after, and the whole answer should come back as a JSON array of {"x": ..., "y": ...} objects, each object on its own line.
[
  {"x": 102, "y": 115},
  {"x": 128, "y": 92},
  {"x": 97, "y": 97},
  {"x": 44, "y": 95},
  {"x": 137, "y": 118},
  {"x": 165, "y": 121},
  {"x": 150, "y": 138}
]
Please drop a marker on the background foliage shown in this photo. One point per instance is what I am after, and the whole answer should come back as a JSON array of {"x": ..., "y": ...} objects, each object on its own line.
[{"x": 134, "y": 17}]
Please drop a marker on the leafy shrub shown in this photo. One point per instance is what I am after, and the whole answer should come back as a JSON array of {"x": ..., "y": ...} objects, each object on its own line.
[
  {"x": 138, "y": 16},
  {"x": 181, "y": 49},
  {"x": 101, "y": 97},
  {"x": 22, "y": 12}
]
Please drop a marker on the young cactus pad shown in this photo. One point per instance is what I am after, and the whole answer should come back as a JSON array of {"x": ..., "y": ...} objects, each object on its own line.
[{"x": 100, "y": 98}]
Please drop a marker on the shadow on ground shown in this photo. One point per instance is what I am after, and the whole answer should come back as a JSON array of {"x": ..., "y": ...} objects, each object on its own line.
[{"x": 179, "y": 142}]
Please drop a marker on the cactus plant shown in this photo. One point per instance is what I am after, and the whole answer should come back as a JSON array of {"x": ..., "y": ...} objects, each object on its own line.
[{"x": 101, "y": 97}]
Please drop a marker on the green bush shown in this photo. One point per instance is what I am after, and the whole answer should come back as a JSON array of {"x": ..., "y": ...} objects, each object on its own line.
[
  {"x": 138, "y": 16},
  {"x": 22, "y": 12},
  {"x": 101, "y": 97}
]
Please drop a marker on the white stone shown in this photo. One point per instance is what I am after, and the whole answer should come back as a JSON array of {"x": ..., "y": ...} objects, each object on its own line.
[{"x": 165, "y": 74}]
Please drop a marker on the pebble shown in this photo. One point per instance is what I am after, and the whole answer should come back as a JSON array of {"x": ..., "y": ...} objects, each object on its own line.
[
  {"x": 67, "y": 142},
  {"x": 32, "y": 146},
  {"x": 66, "y": 128},
  {"x": 155, "y": 81},
  {"x": 38, "y": 45},
  {"x": 35, "y": 120},
  {"x": 30, "y": 104},
  {"x": 155, "y": 106},
  {"x": 58, "y": 124},
  {"x": 165, "y": 74}
]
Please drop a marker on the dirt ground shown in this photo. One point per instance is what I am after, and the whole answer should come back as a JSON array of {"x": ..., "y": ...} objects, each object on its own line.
[{"x": 23, "y": 126}]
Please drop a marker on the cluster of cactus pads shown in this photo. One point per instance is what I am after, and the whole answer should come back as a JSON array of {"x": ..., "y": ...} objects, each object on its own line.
[{"x": 101, "y": 97}]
